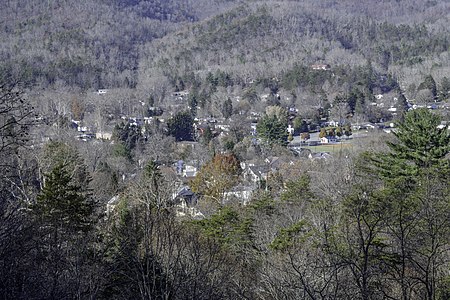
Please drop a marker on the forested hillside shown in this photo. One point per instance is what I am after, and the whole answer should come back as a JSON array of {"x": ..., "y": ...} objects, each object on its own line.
[
  {"x": 106, "y": 44},
  {"x": 90, "y": 44},
  {"x": 225, "y": 149}
]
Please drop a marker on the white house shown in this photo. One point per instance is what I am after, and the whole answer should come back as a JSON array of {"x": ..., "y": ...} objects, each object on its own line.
[
  {"x": 392, "y": 109},
  {"x": 241, "y": 193},
  {"x": 189, "y": 171},
  {"x": 333, "y": 123},
  {"x": 111, "y": 205},
  {"x": 328, "y": 139},
  {"x": 254, "y": 174},
  {"x": 103, "y": 135},
  {"x": 320, "y": 155},
  {"x": 186, "y": 202}
]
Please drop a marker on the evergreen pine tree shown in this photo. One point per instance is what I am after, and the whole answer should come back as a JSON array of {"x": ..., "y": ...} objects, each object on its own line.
[
  {"x": 62, "y": 204},
  {"x": 402, "y": 105},
  {"x": 415, "y": 193},
  {"x": 180, "y": 126},
  {"x": 272, "y": 131},
  {"x": 444, "y": 89},
  {"x": 227, "y": 108},
  {"x": 63, "y": 218},
  {"x": 430, "y": 83},
  {"x": 420, "y": 140}
]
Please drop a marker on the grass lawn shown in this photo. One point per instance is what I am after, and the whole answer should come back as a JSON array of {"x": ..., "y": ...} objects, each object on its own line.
[{"x": 328, "y": 148}]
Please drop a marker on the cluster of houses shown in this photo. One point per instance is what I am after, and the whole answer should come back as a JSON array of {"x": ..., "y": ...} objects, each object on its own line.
[
  {"x": 254, "y": 173},
  {"x": 222, "y": 126}
]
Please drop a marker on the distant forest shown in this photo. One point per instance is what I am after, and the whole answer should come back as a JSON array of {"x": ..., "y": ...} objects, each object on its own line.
[{"x": 106, "y": 44}]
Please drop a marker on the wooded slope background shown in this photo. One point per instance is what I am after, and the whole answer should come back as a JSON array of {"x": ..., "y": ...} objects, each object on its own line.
[{"x": 106, "y": 44}]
